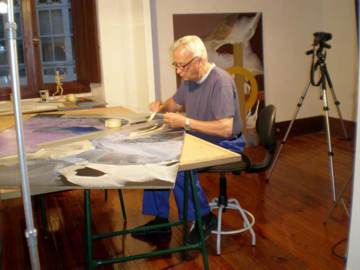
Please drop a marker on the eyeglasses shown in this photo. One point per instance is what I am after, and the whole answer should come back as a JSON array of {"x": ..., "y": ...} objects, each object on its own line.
[{"x": 183, "y": 66}]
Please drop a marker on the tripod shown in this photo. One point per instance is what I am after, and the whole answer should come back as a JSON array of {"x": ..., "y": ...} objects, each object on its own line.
[{"x": 319, "y": 51}]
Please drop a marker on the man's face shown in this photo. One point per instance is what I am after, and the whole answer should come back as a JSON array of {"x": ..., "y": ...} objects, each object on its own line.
[{"x": 185, "y": 64}]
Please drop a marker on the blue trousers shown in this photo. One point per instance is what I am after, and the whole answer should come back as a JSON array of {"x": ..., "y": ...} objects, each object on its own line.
[{"x": 156, "y": 202}]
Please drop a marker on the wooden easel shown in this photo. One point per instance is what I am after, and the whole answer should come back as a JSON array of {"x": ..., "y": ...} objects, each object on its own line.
[{"x": 240, "y": 75}]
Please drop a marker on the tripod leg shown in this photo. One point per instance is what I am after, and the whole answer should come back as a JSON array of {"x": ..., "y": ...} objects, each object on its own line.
[
  {"x": 328, "y": 138},
  {"x": 336, "y": 102},
  {"x": 298, "y": 106},
  {"x": 340, "y": 198}
]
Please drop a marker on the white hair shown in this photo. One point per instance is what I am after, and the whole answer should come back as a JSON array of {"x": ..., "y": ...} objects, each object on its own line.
[{"x": 192, "y": 44}]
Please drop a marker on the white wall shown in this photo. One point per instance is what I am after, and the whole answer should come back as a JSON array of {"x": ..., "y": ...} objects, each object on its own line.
[
  {"x": 125, "y": 43},
  {"x": 339, "y": 19},
  {"x": 287, "y": 34},
  {"x": 353, "y": 262}
]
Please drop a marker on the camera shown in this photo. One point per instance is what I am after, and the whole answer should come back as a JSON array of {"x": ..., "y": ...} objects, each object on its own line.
[{"x": 321, "y": 37}]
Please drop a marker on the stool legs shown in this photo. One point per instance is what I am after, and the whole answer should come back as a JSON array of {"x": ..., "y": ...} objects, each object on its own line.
[
  {"x": 218, "y": 232},
  {"x": 248, "y": 221},
  {"x": 245, "y": 214}
]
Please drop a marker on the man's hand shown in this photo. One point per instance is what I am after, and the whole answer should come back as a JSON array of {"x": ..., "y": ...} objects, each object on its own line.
[
  {"x": 155, "y": 106},
  {"x": 221, "y": 127},
  {"x": 174, "y": 120}
]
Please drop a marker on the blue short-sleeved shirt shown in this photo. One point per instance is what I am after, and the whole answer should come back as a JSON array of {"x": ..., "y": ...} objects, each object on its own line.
[{"x": 214, "y": 98}]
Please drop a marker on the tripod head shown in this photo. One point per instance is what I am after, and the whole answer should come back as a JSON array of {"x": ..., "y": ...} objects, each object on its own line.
[
  {"x": 320, "y": 39},
  {"x": 319, "y": 44}
]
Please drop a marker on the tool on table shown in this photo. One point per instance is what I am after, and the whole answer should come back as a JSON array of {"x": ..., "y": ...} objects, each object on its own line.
[{"x": 152, "y": 116}]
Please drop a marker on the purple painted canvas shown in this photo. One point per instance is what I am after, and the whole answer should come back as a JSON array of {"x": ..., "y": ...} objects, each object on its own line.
[{"x": 41, "y": 129}]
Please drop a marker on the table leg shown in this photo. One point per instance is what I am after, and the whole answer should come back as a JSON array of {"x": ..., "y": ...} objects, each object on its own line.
[
  {"x": 88, "y": 236},
  {"x": 91, "y": 264},
  {"x": 122, "y": 204},
  {"x": 186, "y": 208},
  {"x": 190, "y": 174},
  {"x": 43, "y": 215}
]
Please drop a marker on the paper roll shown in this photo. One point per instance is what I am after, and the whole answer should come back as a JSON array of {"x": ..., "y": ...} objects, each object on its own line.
[
  {"x": 71, "y": 98},
  {"x": 113, "y": 123}
]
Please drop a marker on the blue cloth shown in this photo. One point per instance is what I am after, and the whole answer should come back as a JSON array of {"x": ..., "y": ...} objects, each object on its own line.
[
  {"x": 156, "y": 202},
  {"x": 236, "y": 144}
]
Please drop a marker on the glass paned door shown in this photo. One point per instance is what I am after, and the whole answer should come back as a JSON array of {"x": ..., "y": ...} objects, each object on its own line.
[{"x": 57, "y": 54}]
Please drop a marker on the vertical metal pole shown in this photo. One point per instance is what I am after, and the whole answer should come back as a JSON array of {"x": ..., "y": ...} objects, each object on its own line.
[
  {"x": 30, "y": 232},
  {"x": 327, "y": 127},
  {"x": 336, "y": 101}
]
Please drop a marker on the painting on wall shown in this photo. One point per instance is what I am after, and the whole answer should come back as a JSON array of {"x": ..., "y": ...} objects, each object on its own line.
[{"x": 234, "y": 42}]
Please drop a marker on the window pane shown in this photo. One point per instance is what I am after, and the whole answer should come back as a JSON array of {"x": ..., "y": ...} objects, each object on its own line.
[
  {"x": 44, "y": 22},
  {"x": 59, "y": 49},
  {"x": 20, "y": 52},
  {"x": 56, "y": 43},
  {"x": 47, "y": 50},
  {"x": 18, "y": 24},
  {"x": 3, "y": 55},
  {"x": 49, "y": 1},
  {"x": 49, "y": 71},
  {"x": 66, "y": 71},
  {"x": 70, "y": 22},
  {"x": 57, "y": 22},
  {"x": 5, "y": 68},
  {"x": 2, "y": 35}
]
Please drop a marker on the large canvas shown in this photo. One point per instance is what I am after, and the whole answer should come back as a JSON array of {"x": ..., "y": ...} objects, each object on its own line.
[
  {"x": 220, "y": 32},
  {"x": 137, "y": 156},
  {"x": 50, "y": 127}
]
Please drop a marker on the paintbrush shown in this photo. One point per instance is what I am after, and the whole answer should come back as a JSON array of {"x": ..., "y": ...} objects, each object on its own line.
[{"x": 152, "y": 116}]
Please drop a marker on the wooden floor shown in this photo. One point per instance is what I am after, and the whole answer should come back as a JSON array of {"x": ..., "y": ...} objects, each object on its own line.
[{"x": 289, "y": 211}]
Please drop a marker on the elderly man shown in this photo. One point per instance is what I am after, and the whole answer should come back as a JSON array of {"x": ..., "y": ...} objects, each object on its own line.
[{"x": 207, "y": 94}]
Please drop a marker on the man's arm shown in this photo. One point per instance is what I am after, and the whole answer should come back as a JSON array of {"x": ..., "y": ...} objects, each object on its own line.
[
  {"x": 221, "y": 127},
  {"x": 168, "y": 106}
]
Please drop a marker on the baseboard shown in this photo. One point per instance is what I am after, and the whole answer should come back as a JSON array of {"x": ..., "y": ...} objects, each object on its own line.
[
  {"x": 337, "y": 130},
  {"x": 315, "y": 124}
]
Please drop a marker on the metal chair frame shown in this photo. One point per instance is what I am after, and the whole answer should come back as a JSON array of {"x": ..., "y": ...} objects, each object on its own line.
[{"x": 265, "y": 128}]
